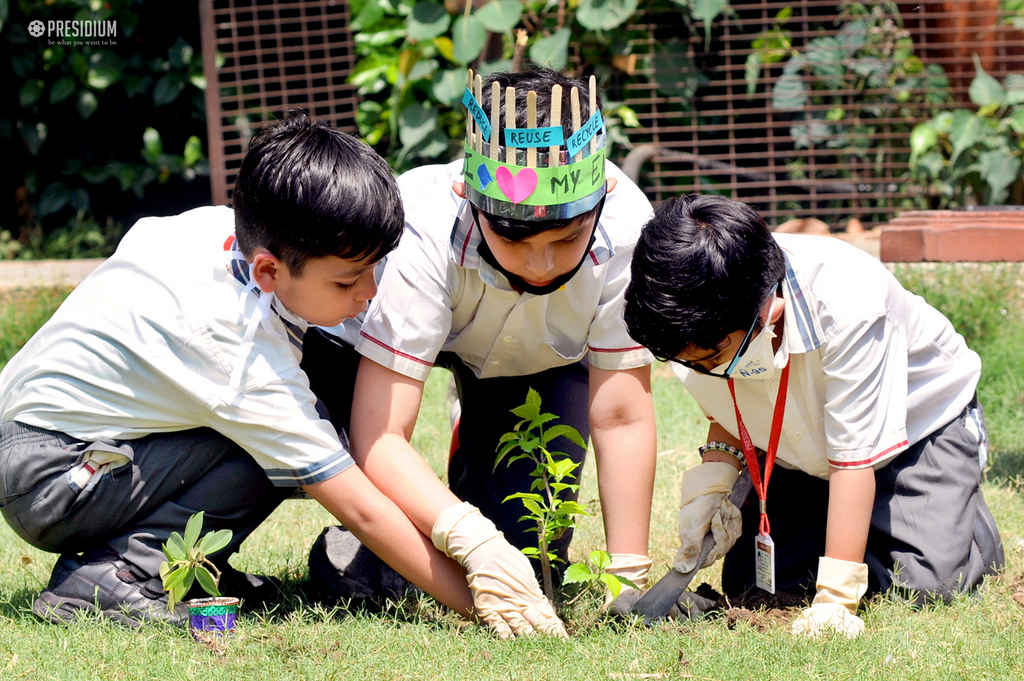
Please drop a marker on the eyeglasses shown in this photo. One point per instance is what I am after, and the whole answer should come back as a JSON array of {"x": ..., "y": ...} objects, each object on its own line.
[{"x": 701, "y": 369}]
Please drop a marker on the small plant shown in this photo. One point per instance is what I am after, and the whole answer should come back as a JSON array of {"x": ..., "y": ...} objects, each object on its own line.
[
  {"x": 187, "y": 560},
  {"x": 553, "y": 476},
  {"x": 593, "y": 571}
]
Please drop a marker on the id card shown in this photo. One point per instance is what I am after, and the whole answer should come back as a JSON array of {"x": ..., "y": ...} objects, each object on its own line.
[{"x": 764, "y": 562}]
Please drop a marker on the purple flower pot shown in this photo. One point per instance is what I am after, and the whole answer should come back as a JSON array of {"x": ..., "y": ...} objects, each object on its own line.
[{"x": 216, "y": 615}]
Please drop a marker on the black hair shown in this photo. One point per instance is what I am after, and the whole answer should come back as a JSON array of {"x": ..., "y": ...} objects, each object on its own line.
[
  {"x": 306, "y": 190},
  {"x": 539, "y": 81},
  {"x": 702, "y": 268}
]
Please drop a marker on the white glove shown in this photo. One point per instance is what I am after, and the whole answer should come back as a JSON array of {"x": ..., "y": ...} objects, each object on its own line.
[
  {"x": 840, "y": 587},
  {"x": 505, "y": 592},
  {"x": 704, "y": 505},
  {"x": 631, "y": 566}
]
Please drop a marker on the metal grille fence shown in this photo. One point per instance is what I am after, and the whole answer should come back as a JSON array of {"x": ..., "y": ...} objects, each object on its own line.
[
  {"x": 265, "y": 57},
  {"x": 827, "y": 138}
]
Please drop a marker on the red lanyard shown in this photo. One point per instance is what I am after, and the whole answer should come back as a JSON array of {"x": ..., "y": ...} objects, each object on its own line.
[{"x": 761, "y": 487}]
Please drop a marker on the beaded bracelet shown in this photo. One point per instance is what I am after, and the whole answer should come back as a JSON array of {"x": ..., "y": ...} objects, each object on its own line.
[{"x": 721, "y": 447}]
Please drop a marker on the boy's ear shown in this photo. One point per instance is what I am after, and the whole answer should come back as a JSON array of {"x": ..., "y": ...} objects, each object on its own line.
[
  {"x": 266, "y": 270},
  {"x": 460, "y": 189},
  {"x": 777, "y": 308},
  {"x": 611, "y": 182}
]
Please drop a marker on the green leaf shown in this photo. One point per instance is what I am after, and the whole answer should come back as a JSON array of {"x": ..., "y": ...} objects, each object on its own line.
[
  {"x": 1014, "y": 84},
  {"x": 923, "y": 137},
  {"x": 415, "y": 123},
  {"x": 604, "y": 15},
  {"x": 985, "y": 90},
  {"x": 674, "y": 70},
  {"x": 422, "y": 69},
  {"x": 206, "y": 581},
  {"x": 964, "y": 132},
  {"x": 565, "y": 431},
  {"x": 706, "y": 11},
  {"x": 572, "y": 508},
  {"x": 600, "y": 559},
  {"x": 427, "y": 21},
  {"x": 102, "y": 77},
  {"x": 1017, "y": 121},
  {"x": 168, "y": 88},
  {"x": 193, "y": 151},
  {"x": 469, "y": 36},
  {"x": 530, "y": 551},
  {"x": 86, "y": 104},
  {"x": 448, "y": 86},
  {"x": 1000, "y": 170},
  {"x": 30, "y": 92},
  {"x": 215, "y": 541},
  {"x": 613, "y": 583},
  {"x": 152, "y": 147},
  {"x": 62, "y": 89},
  {"x": 789, "y": 92},
  {"x": 194, "y": 526},
  {"x": 562, "y": 468},
  {"x": 500, "y": 16},
  {"x": 752, "y": 71},
  {"x": 174, "y": 548},
  {"x": 54, "y": 197},
  {"x": 576, "y": 573},
  {"x": 175, "y": 578},
  {"x": 552, "y": 51}
]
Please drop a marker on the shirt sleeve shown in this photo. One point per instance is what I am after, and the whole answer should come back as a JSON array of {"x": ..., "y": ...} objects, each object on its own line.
[
  {"x": 865, "y": 369},
  {"x": 277, "y": 424},
  {"x": 410, "y": 317}
]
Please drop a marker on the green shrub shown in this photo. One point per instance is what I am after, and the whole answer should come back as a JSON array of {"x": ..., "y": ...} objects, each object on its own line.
[{"x": 101, "y": 133}]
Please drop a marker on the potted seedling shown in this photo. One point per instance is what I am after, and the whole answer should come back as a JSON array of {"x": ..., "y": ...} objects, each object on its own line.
[
  {"x": 188, "y": 563},
  {"x": 531, "y": 438}
]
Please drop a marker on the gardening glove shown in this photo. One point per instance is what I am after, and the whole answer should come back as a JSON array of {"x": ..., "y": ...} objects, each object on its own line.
[
  {"x": 505, "y": 592},
  {"x": 631, "y": 566},
  {"x": 840, "y": 587},
  {"x": 690, "y": 606},
  {"x": 704, "y": 505}
]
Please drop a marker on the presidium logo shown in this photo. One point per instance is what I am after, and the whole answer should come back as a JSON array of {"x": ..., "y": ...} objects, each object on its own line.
[{"x": 75, "y": 32}]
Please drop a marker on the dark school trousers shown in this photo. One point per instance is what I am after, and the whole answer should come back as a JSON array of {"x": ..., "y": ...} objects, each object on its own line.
[
  {"x": 133, "y": 509},
  {"x": 486, "y": 416},
  {"x": 931, "y": 537}
]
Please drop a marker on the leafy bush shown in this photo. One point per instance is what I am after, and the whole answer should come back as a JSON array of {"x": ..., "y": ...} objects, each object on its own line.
[
  {"x": 96, "y": 120},
  {"x": 974, "y": 157},
  {"x": 414, "y": 56}
]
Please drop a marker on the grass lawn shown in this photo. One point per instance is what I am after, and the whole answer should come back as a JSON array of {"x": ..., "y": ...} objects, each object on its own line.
[{"x": 973, "y": 638}]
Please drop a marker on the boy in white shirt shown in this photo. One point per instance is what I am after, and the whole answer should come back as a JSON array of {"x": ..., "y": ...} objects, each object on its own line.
[
  {"x": 511, "y": 274},
  {"x": 170, "y": 383},
  {"x": 807, "y": 349}
]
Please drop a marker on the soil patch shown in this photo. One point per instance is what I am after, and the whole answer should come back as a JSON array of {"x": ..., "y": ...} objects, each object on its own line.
[{"x": 757, "y": 608}]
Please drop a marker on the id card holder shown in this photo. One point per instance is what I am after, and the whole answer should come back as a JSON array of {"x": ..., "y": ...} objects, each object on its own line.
[{"x": 764, "y": 562}]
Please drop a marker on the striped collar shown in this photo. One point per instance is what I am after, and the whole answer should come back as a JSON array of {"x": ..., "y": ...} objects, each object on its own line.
[
  {"x": 803, "y": 330},
  {"x": 239, "y": 267},
  {"x": 466, "y": 237}
]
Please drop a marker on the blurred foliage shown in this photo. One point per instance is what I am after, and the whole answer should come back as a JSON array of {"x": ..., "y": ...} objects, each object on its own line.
[
  {"x": 95, "y": 128},
  {"x": 414, "y": 56},
  {"x": 870, "y": 62},
  {"x": 975, "y": 157}
]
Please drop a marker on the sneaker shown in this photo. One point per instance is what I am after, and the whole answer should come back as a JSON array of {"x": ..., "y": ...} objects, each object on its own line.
[{"x": 107, "y": 584}]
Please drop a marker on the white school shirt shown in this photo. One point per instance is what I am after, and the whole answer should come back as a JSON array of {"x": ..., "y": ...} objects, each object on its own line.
[
  {"x": 874, "y": 368},
  {"x": 148, "y": 343},
  {"x": 436, "y": 293}
]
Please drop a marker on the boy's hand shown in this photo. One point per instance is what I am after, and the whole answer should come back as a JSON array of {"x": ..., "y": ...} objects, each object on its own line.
[
  {"x": 629, "y": 566},
  {"x": 704, "y": 505},
  {"x": 841, "y": 584},
  {"x": 505, "y": 592}
]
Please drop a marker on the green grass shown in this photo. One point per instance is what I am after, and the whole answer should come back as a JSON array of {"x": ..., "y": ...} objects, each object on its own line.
[{"x": 974, "y": 638}]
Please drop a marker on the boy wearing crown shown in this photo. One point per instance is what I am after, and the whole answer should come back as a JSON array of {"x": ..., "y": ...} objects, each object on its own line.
[{"x": 511, "y": 274}]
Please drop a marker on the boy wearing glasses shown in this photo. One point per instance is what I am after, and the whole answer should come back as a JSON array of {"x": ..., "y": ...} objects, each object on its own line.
[{"x": 808, "y": 352}]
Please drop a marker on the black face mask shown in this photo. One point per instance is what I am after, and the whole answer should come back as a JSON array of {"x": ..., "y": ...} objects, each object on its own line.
[{"x": 517, "y": 281}]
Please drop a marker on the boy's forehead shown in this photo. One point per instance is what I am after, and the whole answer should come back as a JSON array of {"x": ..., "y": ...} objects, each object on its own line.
[
  {"x": 541, "y": 234},
  {"x": 336, "y": 266}
]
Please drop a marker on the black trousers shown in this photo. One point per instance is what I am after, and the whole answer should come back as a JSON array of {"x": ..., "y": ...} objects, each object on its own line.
[{"x": 931, "y": 531}]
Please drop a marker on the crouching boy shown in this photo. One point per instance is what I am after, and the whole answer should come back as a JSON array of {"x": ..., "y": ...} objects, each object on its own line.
[
  {"x": 169, "y": 383},
  {"x": 808, "y": 351}
]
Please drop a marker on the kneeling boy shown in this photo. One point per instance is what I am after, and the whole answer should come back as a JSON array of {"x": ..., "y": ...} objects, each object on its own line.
[{"x": 809, "y": 350}]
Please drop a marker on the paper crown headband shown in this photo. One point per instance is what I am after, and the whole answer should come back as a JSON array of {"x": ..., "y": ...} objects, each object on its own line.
[{"x": 533, "y": 173}]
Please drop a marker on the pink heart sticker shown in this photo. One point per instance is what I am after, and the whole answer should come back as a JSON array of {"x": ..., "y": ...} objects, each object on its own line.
[{"x": 516, "y": 187}]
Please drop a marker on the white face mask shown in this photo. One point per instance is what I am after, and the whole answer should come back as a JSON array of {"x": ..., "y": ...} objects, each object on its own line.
[{"x": 758, "y": 361}]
